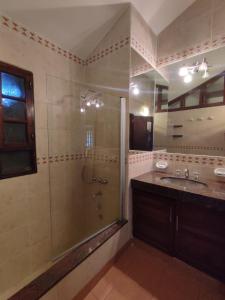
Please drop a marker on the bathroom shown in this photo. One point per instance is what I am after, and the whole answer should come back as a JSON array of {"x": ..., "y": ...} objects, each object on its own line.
[{"x": 112, "y": 161}]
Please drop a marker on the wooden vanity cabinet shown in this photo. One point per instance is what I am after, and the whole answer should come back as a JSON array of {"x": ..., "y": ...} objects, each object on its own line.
[
  {"x": 188, "y": 226},
  {"x": 153, "y": 219},
  {"x": 200, "y": 233}
]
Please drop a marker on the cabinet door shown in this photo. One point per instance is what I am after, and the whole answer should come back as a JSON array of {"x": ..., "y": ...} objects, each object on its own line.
[
  {"x": 153, "y": 219},
  {"x": 200, "y": 234}
]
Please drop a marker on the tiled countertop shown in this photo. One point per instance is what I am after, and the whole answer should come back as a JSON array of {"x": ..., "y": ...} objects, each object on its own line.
[{"x": 214, "y": 189}]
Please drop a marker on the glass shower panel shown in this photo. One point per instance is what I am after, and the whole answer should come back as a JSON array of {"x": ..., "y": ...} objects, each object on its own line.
[
  {"x": 84, "y": 152},
  {"x": 102, "y": 166}
]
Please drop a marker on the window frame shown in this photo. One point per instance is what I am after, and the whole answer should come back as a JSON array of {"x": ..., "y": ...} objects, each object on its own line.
[
  {"x": 202, "y": 96},
  {"x": 160, "y": 101},
  {"x": 29, "y": 122}
]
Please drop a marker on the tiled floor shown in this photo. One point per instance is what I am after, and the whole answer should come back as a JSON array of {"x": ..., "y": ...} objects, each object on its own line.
[{"x": 144, "y": 273}]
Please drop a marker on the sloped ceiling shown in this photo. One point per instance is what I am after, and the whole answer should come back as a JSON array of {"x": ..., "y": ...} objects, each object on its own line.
[{"x": 79, "y": 25}]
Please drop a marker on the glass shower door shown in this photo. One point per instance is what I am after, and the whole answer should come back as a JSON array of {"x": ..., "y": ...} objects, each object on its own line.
[{"x": 84, "y": 155}]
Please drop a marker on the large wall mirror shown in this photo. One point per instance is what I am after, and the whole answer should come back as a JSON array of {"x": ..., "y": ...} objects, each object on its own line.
[
  {"x": 185, "y": 103},
  {"x": 147, "y": 129}
]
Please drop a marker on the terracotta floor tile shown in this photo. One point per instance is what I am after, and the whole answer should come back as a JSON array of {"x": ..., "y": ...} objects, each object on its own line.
[
  {"x": 90, "y": 296},
  {"x": 145, "y": 273},
  {"x": 102, "y": 289},
  {"x": 114, "y": 295}
]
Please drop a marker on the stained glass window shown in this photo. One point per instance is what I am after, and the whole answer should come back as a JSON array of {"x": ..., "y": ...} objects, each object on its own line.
[
  {"x": 12, "y": 86},
  {"x": 17, "y": 132},
  {"x": 13, "y": 109}
]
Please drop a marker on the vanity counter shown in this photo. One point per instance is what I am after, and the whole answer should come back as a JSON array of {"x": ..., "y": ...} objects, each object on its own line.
[
  {"x": 214, "y": 189},
  {"x": 188, "y": 223}
]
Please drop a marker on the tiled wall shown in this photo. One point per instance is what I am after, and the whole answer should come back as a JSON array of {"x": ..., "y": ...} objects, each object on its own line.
[
  {"x": 199, "y": 29},
  {"x": 25, "y": 234},
  {"x": 39, "y": 216},
  {"x": 143, "y": 162},
  {"x": 207, "y": 123},
  {"x": 143, "y": 40},
  {"x": 110, "y": 76},
  {"x": 138, "y": 64}
]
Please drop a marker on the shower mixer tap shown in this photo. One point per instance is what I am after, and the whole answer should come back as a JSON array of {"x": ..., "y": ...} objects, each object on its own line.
[
  {"x": 100, "y": 180},
  {"x": 99, "y": 193}
]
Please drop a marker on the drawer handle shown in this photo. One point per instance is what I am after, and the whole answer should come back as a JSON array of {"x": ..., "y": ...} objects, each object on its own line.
[{"x": 177, "y": 224}]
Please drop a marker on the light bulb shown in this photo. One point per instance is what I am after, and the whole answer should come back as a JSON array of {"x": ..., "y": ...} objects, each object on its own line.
[
  {"x": 187, "y": 78},
  {"x": 82, "y": 110},
  {"x": 136, "y": 91},
  {"x": 88, "y": 103},
  {"x": 145, "y": 111},
  {"x": 97, "y": 105},
  {"x": 205, "y": 75},
  {"x": 203, "y": 67},
  {"x": 183, "y": 71}
]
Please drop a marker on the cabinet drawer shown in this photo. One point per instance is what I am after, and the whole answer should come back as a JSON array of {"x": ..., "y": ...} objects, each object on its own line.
[
  {"x": 203, "y": 220},
  {"x": 153, "y": 218},
  {"x": 202, "y": 253}
]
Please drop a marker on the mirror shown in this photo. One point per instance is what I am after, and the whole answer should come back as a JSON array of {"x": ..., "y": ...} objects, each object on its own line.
[
  {"x": 148, "y": 130},
  {"x": 189, "y": 105}
]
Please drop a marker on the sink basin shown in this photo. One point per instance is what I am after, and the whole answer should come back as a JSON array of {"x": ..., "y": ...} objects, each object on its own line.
[{"x": 183, "y": 182}]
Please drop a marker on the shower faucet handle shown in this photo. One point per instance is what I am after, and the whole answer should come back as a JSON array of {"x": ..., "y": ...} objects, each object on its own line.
[
  {"x": 102, "y": 180},
  {"x": 105, "y": 181},
  {"x": 94, "y": 179}
]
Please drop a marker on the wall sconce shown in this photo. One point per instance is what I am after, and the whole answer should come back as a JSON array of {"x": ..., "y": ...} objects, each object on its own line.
[
  {"x": 187, "y": 72},
  {"x": 90, "y": 98}
]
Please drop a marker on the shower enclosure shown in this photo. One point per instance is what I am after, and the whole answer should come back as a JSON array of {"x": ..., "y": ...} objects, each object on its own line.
[{"x": 85, "y": 128}]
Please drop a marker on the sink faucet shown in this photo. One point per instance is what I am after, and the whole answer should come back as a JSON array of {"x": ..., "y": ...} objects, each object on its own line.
[{"x": 186, "y": 173}]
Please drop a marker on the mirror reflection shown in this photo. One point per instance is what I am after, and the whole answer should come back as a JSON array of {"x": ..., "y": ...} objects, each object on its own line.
[
  {"x": 148, "y": 94},
  {"x": 186, "y": 103}
]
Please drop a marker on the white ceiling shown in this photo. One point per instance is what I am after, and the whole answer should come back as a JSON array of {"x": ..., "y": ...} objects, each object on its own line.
[{"x": 78, "y": 25}]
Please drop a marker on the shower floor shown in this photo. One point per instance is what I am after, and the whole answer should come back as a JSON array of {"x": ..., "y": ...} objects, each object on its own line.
[{"x": 144, "y": 273}]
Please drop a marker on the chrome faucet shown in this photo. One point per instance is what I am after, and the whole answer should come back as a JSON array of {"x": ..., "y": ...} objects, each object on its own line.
[{"x": 186, "y": 173}]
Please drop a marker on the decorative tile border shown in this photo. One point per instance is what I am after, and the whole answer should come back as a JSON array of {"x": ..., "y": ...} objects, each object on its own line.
[
  {"x": 194, "y": 147},
  {"x": 200, "y": 48},
  {"x": 204, "y": 160},
  {"x": 8, "y": 23},
  {"x": 16, "y": 27},
  {"x": 109, "y": 50},
  {"x": 137, "y": 157},
  {"x": 101, "y": 157},
  {"x": 141, "y": 69},
  {"x": 143, "y": 51}
]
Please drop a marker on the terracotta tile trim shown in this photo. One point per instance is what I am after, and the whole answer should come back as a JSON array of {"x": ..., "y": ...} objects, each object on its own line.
[
  {"x": 42, "y": 284},
  {"x": 196, "y": 147},
  {"x": 203, "y": 47},
  {"x": 143, "y": 51},
  {"x": 134, "y": 158},
  {"x": 78, "y": 156},
  {"x": 16, "y": 27},
  {"x": 141, "y": 69},
  {"x": 204, "y": 160},
  {"x": 8, "y": 23},
  {"x": 108, "y": 50}
]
